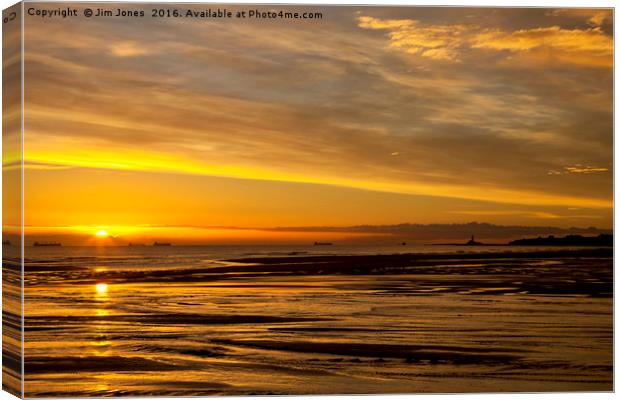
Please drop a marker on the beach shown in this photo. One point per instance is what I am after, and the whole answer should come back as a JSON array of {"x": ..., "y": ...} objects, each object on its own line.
[{"x": 195, "y": 321}]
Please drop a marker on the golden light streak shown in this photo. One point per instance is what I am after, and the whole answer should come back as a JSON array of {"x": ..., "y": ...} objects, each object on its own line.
[{"x": 142, "y": 161}]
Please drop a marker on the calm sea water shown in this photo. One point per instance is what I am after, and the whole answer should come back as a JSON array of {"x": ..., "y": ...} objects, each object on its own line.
[
  {"x": 155, "y": 321},
  {"x": 189, "y": 256}
]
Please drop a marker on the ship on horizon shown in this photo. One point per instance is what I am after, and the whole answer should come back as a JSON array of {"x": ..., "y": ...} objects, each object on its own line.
[
  {"x": 47, "y": 244},
  {"x": 156, "y": 244}
]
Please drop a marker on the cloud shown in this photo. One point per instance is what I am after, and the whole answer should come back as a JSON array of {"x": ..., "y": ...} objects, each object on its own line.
[
  {"x": 526, "y": 214},
  {"x": 450, "y": 231},
  {"x": 575, "y": 40},
  {"x": 577, "y": 169},
  {"x": 330, "y": 105},
  {"x": 589, "y": 46},
  {"x": 45, "y": 166},
  {"x": 439, "y": 42},
  {"x": 594, "y": 17},
  {"x": 128, "y": 49},
  {"x": 375, "y": 23},
  {"x": 531, "y": 214},
  {"x": 598, "y": 18}
]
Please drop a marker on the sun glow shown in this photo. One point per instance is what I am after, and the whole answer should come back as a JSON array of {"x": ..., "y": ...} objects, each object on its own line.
[{"x": 101, "y": 233}]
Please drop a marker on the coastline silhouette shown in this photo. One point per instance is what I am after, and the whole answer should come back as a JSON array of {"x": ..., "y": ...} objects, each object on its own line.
[{"x": 602, "y": 240}]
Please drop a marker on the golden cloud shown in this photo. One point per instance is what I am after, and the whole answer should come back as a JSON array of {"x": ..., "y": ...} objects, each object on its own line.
[
  {"x": 375, "y": 23},
  {"x": 591, "y": 40},
  {"x": 531, "y": 214},
  {"x": 589, "y": 46},
  {"x": 577, "y": 169},
  {"x": 598, "y": 18},
  {"x": 594, "y": 17},
  {"x": 128, "y": 49}
]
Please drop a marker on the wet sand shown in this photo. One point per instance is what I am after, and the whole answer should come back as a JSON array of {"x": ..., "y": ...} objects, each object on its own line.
[
  {"x": 407, "y": 323},
  {"x": 11, "y": 321}
]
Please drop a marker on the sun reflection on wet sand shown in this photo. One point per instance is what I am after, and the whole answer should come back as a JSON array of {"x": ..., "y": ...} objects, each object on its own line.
[
  {"x": 101, "y": 387},
  {"x": 101, "y": 345},
  {"x": 102, "y": 312},
  {"x": 102, "y": 290},
  {"x": 102, "y": 298}
]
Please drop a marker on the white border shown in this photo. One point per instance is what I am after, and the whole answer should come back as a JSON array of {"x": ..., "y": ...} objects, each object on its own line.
[{"x": 477, "y": 3}]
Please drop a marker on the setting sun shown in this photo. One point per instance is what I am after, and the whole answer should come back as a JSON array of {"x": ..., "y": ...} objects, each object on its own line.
[{"x": 101, "y": 233}]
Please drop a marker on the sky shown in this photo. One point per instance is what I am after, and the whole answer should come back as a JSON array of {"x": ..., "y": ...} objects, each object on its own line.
[{"x": 181, "y": 129}]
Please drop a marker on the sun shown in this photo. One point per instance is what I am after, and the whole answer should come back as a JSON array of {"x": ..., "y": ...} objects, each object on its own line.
[{"x": 101, "y": 233}]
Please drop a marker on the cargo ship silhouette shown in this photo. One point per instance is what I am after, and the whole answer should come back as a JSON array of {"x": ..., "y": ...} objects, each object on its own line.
[{"x": 47, "y": 244}]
